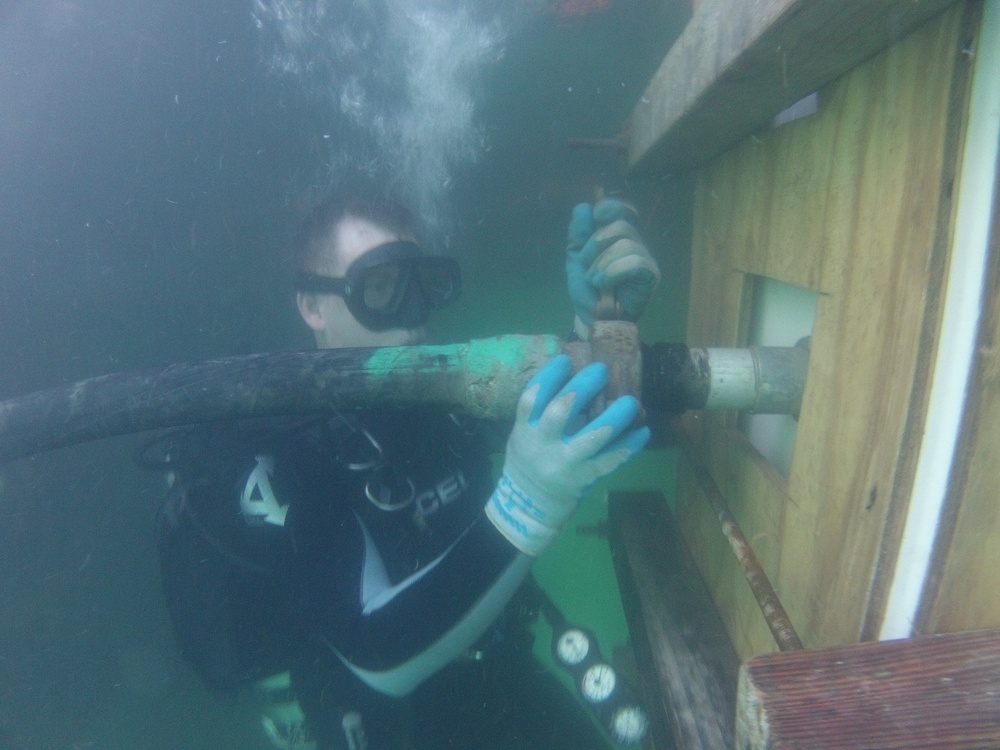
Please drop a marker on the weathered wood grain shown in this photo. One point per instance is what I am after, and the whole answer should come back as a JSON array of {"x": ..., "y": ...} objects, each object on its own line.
[{"x": 940, "y": 692}]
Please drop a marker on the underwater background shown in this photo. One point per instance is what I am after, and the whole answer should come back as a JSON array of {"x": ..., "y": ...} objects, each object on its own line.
[{"x": 154, "y": 160}]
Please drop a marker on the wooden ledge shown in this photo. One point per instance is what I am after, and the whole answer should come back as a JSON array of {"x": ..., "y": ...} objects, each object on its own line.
[
  {"x": 739, "y": 63},
  {"x": 687, "y": 666},
  {"x": 940, "y": 692}
]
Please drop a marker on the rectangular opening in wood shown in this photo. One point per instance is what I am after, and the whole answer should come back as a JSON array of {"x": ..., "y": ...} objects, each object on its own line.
[{"x": 780, "y": 315}]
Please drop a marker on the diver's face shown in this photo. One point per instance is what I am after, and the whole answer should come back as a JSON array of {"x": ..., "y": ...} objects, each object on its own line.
[{"x": 327, "y": 314}]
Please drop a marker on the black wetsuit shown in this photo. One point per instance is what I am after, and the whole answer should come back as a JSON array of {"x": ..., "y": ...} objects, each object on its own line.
[{"x": 354, "y": 551}]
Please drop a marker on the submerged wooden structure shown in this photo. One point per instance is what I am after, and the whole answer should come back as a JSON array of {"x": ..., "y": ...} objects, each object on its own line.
[{"x": 883, "y": 526}]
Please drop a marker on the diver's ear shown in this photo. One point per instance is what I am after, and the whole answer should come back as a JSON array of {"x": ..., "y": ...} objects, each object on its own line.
[{"x": 309, "y": 309}]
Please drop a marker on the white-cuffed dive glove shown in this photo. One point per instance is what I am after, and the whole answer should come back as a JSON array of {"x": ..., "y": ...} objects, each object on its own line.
[
  {"x": 551, "y": 460},
  {"x": 606, "y": 258}
]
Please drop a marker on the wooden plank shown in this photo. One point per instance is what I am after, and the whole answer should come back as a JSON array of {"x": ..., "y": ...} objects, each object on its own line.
[
  {"x": 852, "y": 202},
  {"x": 939, "y": 692},
  {"x": 686, "y": 663},
  {"x": 738, "y": 63}
]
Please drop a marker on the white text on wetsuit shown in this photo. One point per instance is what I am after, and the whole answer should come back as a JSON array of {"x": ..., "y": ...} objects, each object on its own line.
[{"x": 445, "y": 492}]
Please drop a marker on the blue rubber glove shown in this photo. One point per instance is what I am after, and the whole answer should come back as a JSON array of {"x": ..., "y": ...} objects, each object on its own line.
[
  {"x": 606, "y": 256},
  {"x": 549, "y": 466}
]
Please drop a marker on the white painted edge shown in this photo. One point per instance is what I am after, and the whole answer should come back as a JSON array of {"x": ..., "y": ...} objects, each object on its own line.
[{"x": 959, "y": 328}]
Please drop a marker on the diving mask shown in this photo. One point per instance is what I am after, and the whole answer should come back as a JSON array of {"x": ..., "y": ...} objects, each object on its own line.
[{"x": 393, "y": 285}]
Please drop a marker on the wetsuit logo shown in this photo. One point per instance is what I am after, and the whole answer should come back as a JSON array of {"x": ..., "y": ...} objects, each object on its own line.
[
  {"x": 258, "y": 503},
  {"x": 445, "y": 492}
]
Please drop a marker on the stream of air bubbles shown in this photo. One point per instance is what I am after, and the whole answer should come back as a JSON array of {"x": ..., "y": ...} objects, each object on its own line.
[{"x": 395, "y": 81}]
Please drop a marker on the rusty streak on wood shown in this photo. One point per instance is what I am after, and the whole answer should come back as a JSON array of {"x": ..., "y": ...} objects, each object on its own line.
[{"x": 770, "y": 606}]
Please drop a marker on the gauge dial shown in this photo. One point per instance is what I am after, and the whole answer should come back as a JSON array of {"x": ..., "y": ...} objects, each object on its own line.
[
  {"x": 629, "y": 725},
  {"x": 598, "y": 683},
  {"x": 572, "y": 647}
]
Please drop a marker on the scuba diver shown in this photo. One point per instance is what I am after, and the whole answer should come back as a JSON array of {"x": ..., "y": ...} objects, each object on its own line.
[{"x": 365, "y": 570}]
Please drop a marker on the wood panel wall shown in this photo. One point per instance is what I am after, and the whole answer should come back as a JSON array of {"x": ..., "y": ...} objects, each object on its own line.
[{"x": 853, "y": 202}]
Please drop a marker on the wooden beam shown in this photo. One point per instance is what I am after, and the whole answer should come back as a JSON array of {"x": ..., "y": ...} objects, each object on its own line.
[
  {"x": 687, "y": 667},
  {"x": 740, "y": 62},
  {"x": 938, "y": 692}
]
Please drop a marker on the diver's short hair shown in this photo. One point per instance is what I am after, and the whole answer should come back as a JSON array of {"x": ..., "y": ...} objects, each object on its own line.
[{"x": 356, "y": 197}]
